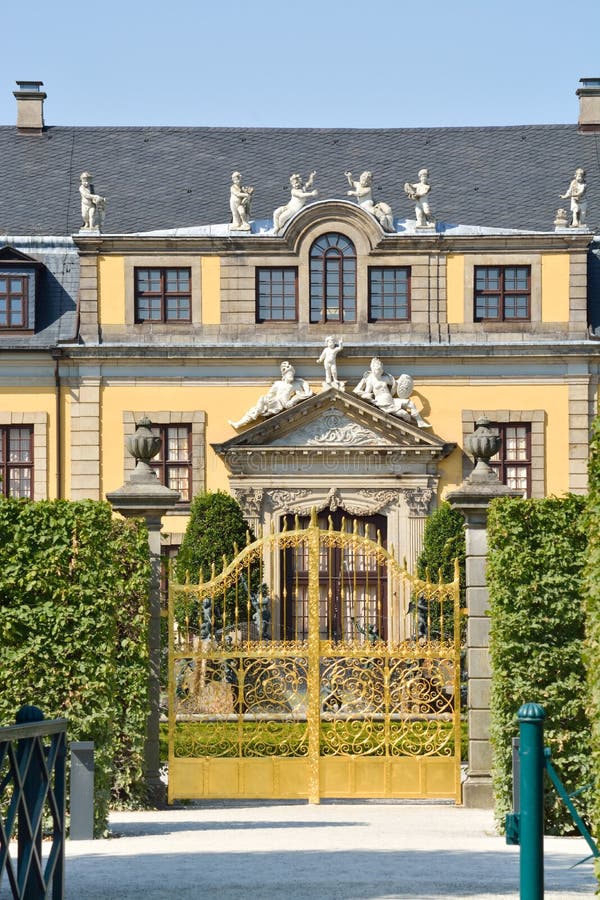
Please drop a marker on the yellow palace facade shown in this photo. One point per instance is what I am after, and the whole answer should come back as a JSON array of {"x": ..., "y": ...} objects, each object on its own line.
[{"x": 162, "y": 313}]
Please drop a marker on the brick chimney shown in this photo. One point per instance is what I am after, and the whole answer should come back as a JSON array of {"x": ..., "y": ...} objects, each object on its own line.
[
  {"x": 589, "y": 104},
  {"x": 30, "y": 107}
]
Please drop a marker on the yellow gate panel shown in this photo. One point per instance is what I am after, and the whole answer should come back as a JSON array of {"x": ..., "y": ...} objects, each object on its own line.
[
  {"x": 314, "y": 688},
  {"x": 236, "y": 779}
]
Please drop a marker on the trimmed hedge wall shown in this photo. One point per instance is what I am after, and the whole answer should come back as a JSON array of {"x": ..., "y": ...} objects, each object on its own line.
[
  {"x": 592, "y": 608},
  {"x": 73, "y": 631},
  {"x": 535, "y": 571}
]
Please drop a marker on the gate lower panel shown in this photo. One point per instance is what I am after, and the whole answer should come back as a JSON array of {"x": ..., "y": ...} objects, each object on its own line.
[{"x": 403, "y": 778}]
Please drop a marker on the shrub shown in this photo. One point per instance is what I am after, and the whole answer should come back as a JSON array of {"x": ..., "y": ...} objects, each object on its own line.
[
  {"x": 73, "y": 631},
  {"x": 592, "y": 608},
  {"x": 534, "y": 576}
]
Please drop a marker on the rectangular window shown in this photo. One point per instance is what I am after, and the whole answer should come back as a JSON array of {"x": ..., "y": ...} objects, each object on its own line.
[
  {"x": 173, "y": 463},
  {"x": 16, "y": 460},
  {"x": 277, "y": 294},
  {"x": 13, "y": 301},
  {"x": 513, "y": 460},
  {"x": 389, "y": 294},
  {"x": 502, "y": 293},
  {"x": 163, "y": 295}
]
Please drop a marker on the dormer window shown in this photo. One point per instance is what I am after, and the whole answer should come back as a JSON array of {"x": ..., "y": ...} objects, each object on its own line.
[
  {"x": 18, "y": 274},
  {"x": 14, "y": 294}
]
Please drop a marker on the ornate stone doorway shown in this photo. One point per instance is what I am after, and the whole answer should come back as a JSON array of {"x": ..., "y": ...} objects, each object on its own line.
[
  {"x": 352, "y": 585},
  {"x": 336, "y": 452}
]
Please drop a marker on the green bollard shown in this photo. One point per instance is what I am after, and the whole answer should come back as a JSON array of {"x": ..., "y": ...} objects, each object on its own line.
[{"x": 531, "y": 782}]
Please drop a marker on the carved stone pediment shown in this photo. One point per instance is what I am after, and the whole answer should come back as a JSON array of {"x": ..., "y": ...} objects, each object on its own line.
[
  {"x": 334, "y": 428},
  {"x": 330, "y": 431}
]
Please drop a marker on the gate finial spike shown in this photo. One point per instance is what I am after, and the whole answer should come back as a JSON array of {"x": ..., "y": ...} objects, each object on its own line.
[
  {"x": 367, "y": 528},
  {"x": 200, "y": 576},
  {"x": 272, "y": 527},
  {"x": 187, "y": 576},
  {"x": 379, "y": 536},
  {"x": 248, "y": 540},
  {"x": 456, "y": 569},
  {"x": 235, "y": 548},
  {"x": 224, "y": 562},
  {"x": 285, "y": 524},
  {"x": 213, "y": 572},
  {"x": 297, "y": 522},
  {"x": 330, "y": 520},
  {"x": 355, "y": 527},
  {"x": 313, "y": 517}
]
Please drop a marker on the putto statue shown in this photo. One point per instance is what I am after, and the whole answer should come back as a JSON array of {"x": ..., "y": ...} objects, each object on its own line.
[
  {"x": 239, "y": 203},
  {"x": 419, "y": 193},
  {"x": 300, "y": 194},
  {"x": 281, "y": 395},
  {"x": 576, "y": 194},
  {"x": 328, "y": 358},
  {"x": 379, "y": 387},
  {"x": 363, "y": 191},
  {"x": 93, "y": 206}
]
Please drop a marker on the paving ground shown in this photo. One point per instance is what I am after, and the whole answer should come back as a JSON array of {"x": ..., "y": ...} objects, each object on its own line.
[{"x": 293, "y": 851}]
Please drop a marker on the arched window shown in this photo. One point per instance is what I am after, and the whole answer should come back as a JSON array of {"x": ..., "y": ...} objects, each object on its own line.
[{"x": 332, "y": 279}]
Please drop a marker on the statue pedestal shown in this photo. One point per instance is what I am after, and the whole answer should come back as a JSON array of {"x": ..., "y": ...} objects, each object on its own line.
[
  {"x": 425, "y": 229},
  {"x": 339, "y": 385}
]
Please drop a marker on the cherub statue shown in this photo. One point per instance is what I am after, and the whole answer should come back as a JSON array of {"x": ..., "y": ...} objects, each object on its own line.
[
  {"x": 363, "y": 191},
  {"x": 328, "y": 358},
  {"x": 379, "y": 387},
  {"x": 281, "y": 395},
  {"x": 299, "y": 195},
  {"x": 93, "y": 206},
  {"x": 419, "y": 193},
  {"x": 239, "y": 203},
  {"x": 576, "y": 193}
]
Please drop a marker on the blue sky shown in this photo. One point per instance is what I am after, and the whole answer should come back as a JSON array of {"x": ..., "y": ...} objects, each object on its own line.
[{"x": 387, "y": 63}]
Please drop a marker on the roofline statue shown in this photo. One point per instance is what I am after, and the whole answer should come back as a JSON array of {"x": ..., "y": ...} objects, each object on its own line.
[
  {"x": 240, "y": 198},
  {"x": 300, "y": 194},
  {"x": 93, "y": 206},
  {"x": 363, "y": 191}
]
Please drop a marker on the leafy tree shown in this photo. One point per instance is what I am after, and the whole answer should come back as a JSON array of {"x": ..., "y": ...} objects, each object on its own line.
[
  {"x": 215, "y": 528},
  {"x": 216, "y": 524},
  {"x": 443, "y": 542}
]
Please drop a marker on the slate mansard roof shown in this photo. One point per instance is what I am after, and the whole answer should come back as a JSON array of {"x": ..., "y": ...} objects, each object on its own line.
[{"x": 160, "y": 178}]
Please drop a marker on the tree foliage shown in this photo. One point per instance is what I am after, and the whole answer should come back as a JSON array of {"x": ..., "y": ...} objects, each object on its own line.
[
  {"x": 534, "y": 574},
  {"x": 73, "y": 631},
  {"x": 443, "y": 542},
  {"x": 215, "y": 527}
]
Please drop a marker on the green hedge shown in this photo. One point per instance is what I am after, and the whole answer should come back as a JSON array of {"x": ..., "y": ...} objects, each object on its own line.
[
  {"x": 535, "y": 570},
  {"x": 592, "y": 605},
  {"x": 73, "y": 631}
]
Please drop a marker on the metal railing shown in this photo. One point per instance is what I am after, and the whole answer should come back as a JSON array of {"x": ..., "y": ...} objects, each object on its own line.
[{"x": 32, "y": 804}]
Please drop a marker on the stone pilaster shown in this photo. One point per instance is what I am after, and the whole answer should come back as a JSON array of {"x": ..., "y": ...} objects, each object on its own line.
[
  {"x": 142, "y": 496},
  {"x": 472, "y": 499},
  {"x": 85, "y": 439}
]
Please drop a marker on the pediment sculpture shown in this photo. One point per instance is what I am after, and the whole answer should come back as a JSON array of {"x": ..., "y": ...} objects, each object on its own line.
[
  {"x": 283, "y": 394},
  {"x": 392, "y": 395}
]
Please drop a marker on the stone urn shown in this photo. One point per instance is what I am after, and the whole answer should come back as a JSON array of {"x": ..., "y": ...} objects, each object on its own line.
[
  {"x": 143, "y": 445},
  {"x": 482, "y": 445}
]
